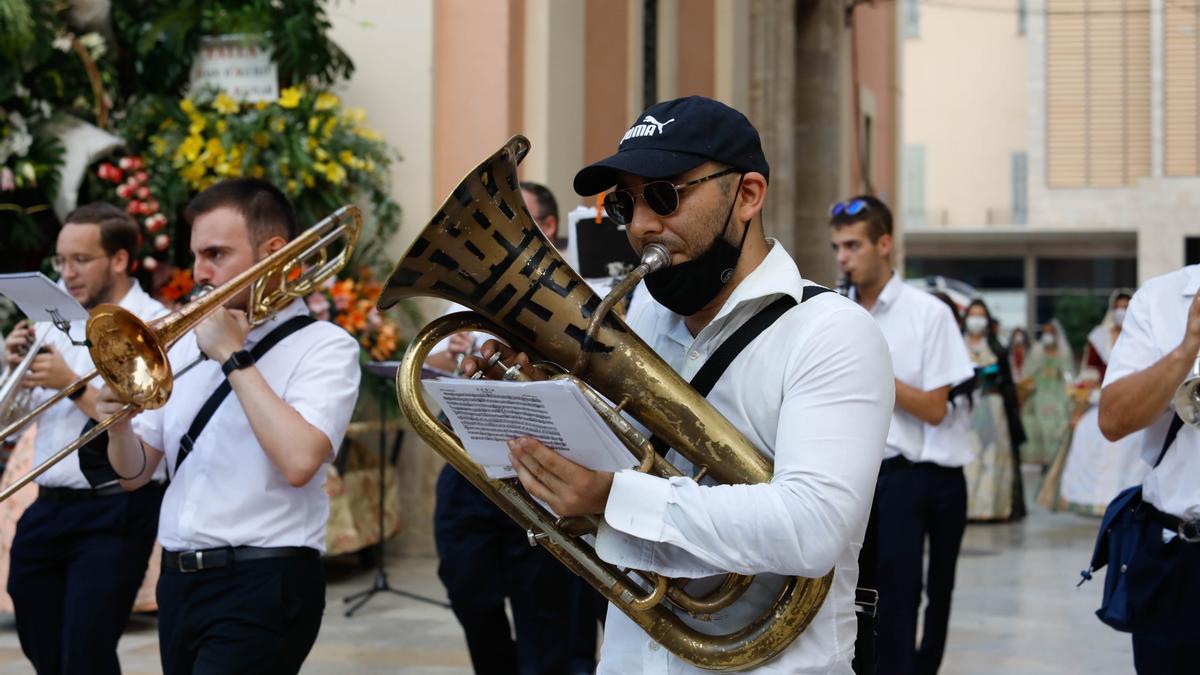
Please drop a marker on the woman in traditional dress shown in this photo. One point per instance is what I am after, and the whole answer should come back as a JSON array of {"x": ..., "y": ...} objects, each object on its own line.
[
  {"x": 994, "y": 490},
  {"x": 1018, "y": 353},
  {"x": 1096, "y": 469},
  {"x": 1046, "y": 414}
]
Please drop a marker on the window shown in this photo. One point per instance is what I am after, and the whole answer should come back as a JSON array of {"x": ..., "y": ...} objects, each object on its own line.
[
  {"x": 1022, "y": 16},
  {"x": 1191, "y": 250},
  {"x": 1020, "y": 188},
  {"x": 1181, "y": 74},
  {"x": 913, "y": 185},
  {"x": 912, "y": 18},
  {"x": 1097, "y": 92}
]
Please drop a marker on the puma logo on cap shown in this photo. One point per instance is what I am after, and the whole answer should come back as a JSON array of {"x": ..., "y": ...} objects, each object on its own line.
[{"x": 647, "y": 128}]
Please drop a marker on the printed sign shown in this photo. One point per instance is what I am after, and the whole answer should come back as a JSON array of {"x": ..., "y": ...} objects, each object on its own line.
[{"x": 240, "y": 65}]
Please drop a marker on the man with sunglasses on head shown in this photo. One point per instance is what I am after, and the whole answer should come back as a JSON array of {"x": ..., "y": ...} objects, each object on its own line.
[
  {"x": 812, "y": 391},
  {"x": 921, "y": 487},
  {"x": 69, "y": 618}
]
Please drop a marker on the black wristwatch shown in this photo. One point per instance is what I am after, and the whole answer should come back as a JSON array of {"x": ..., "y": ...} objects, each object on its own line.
[{"x": 237, "y": 361}]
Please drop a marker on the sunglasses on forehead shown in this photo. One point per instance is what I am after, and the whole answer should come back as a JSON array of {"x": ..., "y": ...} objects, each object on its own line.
[
  {"x": 851, "y": 207},
  {"x": 661, "y": 196}
]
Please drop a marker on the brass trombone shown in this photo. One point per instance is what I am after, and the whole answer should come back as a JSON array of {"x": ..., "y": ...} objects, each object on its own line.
[{"x": 131, "y": 356}]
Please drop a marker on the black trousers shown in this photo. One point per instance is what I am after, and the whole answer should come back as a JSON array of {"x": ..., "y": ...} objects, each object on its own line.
[
  {"x": 259, "y": 616},
  {"x": 1164, "y": 643},
  {"x": 75, "y": 570},
  {"x": 483, "y": 559},
  {"x": 913, "y": 502}
]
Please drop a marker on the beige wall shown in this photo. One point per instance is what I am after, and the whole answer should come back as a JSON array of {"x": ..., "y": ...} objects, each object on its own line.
[{"x": 966, "y": 100}]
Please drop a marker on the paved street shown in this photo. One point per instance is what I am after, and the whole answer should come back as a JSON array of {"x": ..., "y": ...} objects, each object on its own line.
[{"x": 1016, "y": 609}]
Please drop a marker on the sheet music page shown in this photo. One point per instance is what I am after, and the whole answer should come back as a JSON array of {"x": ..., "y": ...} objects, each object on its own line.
[
  {"x": 486, "y": 414},
  {"x": 39, "y": 298}
]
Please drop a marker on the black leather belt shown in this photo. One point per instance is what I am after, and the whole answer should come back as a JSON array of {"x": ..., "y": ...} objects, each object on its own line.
[
  {"x": 212, "y": 558},
  {"x": 62, "y": 494},
  {"x": 1188, "y": 530}
]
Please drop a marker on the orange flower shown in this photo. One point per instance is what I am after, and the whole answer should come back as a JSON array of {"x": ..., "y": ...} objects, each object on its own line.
[{"x": 343, "y": 294}]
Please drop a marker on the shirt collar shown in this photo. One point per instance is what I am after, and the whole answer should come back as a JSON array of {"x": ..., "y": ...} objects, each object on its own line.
[
  {"x": 295, "y": 308},
  {"x": 776, "y": 274},
  {"x": 135, "y": 297},
  {"x": 1193, "y": 282},
  {"x": 891, "y": 291}
]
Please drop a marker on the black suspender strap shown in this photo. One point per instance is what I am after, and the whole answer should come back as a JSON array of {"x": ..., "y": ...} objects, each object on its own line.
[
  {"x": 188, "y": 441},
  {"x": 712, "y": 370}
]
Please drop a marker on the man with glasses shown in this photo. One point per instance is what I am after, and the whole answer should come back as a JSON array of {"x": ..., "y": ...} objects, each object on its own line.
[
  {"x": 921, "y": 489},
  {"x": 81, "y": 548},
  {"x": 812, "y": 391}
]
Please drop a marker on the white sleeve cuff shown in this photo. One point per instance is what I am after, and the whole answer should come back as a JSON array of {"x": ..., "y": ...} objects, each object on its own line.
[{"x": 637, "y": 504}]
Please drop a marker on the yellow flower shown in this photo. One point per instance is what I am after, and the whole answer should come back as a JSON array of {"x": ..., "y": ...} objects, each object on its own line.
[
  {"x": 310, "y": 144},
  {"x": 257, "y": 171},
  {"x": 356, "y": 116},
  {"x": 368, "y": 134},
  {"x": 327, "y": 130},
  {"x": 159, "y": 144},
  {"x": 326, "y": 101},
  {"x": 224, "y": 104},
  {"x": 221, "y": 169},
  {"x": 291, "y": 186},
  {"x": 312, "y": 124},
  {"x": 222, "y": 127},
  {"x": 285, "y": 169},
  {"x": 346, "y": 157},
  {"x": 214, "y": 148},
  {"x": 261, "y": 139},
  {"x": 335, "y": 173},
  {"x": 198, "y": 124},
  {"x": 307, "y": 179},
  {"x": 278, "y": 125},
  {"x": 321, "y": 154},
  {"x": 261, "y": 105},
  {"x": 370, "y": 165},
  {"x": 187, "y": 106},
  {"x": 191, "y": 147},
  {"x": 290, "y": 97},
  {"x": 194, "y": 173}
]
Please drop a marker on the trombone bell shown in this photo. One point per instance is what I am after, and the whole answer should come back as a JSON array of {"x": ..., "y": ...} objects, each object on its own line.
[
  {"x": 130, "y": 357},
  {"x": 1187, "y": 397}
]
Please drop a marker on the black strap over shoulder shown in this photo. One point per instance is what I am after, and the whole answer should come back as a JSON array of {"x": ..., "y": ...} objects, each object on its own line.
[
  {"x": 214, "y": 401},
  {"x": 712, "y": 370},
  {"x": 1172, "y": 432}
]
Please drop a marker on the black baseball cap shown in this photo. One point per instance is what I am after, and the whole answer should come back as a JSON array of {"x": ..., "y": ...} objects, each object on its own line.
[{"x": 675, "y": 136}]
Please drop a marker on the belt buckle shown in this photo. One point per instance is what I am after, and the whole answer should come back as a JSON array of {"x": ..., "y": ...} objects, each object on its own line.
[
  {"x": 866, "y": 601},
  {"x": 1189, "y": 531},
  {"x": 196, "y": 558}
]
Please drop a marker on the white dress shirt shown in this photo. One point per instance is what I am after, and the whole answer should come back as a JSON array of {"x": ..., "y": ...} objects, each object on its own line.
[
  {"x": 1154, "y": 326},
  {"x": 228, "y": 492},
  {"x": 927, "y": 353},
  {"x": 947, "y": 444},
  {"x": 59, "y": 426},
  {"x": 814, "y": 392}
]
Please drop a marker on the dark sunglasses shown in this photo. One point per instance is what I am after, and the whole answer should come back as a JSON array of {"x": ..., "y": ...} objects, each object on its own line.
[
  {"x": 661, "y": 196},
  {"x": 851, "y": 207}
]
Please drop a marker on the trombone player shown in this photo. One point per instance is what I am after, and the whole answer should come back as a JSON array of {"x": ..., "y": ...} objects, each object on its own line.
[
  {"x": 813, "y": 391},
  {"x": 69, "y": 618},
  {"x": 245, "y": 443}
]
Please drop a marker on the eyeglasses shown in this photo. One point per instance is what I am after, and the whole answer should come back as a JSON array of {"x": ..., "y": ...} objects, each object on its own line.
[
  {"x": 852, "y": 207},
  {"x": 661, "y": 196},
  {"x": 58, "y": 263}
]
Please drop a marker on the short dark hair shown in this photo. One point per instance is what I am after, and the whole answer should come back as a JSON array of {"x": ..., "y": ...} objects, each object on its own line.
[
  {"x": 547, "y": 204},
  {"x": 949, "y": 302},
  {"x": 877, "y": 216},
  {"x": 266, "y": 209},
  {"x": 118, "y": 230}
]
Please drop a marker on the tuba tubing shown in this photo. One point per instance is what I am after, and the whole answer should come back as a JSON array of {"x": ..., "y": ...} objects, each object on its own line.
[{"x": 483, "y": 250}]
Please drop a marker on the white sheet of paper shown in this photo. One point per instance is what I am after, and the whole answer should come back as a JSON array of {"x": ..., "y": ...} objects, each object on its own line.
[
  {"x": 486, "y": 414},
  {"x": 39, "y": 298}
]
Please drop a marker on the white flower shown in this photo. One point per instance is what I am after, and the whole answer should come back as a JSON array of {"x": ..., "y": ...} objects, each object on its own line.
[
  {"x": 21, "y": 91},
  {"x": 95, "y": 45},
  {"x": 62, "y": 43},
  {"x": 43, "y": 108}
]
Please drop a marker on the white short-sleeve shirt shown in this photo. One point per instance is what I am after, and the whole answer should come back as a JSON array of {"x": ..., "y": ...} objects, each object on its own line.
[
  {"x": 927, "y": 353},
  {"x": 228, "y": 492},
  {"x": 59, "y": 426},
  {"x": 1154, "y": 326}
]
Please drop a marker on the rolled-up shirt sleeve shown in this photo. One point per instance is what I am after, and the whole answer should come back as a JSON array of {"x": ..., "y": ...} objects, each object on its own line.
[
  {"x": 325, "y": 389},
  {"x": 833, "y": 420}
]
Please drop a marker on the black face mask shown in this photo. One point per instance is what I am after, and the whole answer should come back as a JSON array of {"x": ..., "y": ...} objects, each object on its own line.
[{"x": 688, "y": 287}]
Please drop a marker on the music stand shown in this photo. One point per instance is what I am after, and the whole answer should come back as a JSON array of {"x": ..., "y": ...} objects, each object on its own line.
[{"x": 386, "y": 370}]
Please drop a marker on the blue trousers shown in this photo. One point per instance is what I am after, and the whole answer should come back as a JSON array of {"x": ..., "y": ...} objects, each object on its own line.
[
  {"x": 483, "y": 559},
  {"x": 75, "y": 569}
]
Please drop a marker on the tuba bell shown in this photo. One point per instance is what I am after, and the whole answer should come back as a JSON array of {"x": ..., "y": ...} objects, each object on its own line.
[{"x": 483, "y": 250}]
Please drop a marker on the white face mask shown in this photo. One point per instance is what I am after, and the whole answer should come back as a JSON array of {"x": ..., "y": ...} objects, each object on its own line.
[
  {"x": 1119, "y": 316},
  {"x": 1048, "y": 339},
  {"x": 976, "y": 325}
]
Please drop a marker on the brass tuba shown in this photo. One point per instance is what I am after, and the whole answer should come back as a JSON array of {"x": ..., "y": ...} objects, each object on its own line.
[{"x": 483, "y": 250}]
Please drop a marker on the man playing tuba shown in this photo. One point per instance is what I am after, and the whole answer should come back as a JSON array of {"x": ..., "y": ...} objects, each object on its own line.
[{"x": 813, "y": 391}]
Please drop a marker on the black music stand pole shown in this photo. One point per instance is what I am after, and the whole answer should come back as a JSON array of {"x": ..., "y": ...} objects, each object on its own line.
[{"x": 386, "y": 370}]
